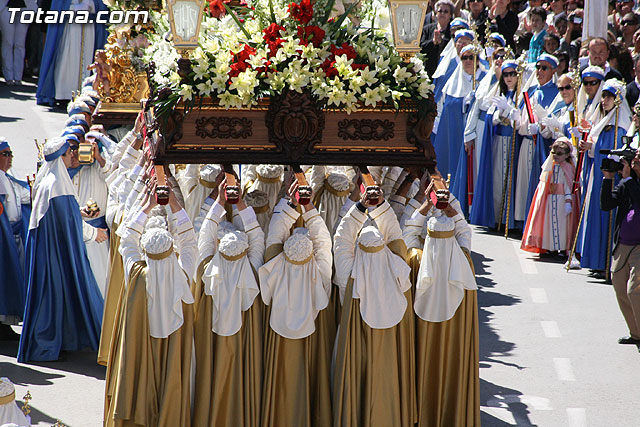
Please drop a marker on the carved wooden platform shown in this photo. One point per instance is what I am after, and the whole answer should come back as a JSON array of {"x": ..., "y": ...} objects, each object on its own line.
[
  {"x": 116, "y": 114},
  {"x": 292, "y": 130}
]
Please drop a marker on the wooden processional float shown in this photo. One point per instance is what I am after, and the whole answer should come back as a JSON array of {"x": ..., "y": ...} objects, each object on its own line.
[{"x": 289, "y": 130}]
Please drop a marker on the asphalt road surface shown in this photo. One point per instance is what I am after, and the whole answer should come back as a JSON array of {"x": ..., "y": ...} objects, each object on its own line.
[{"x": 548, "y": 350}]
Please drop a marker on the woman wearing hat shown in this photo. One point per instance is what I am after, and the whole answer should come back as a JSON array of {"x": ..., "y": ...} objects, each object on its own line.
[
  {"x": 499, "y": 151},
  {"x": 614, "y": 118},
  {"x": 63, "y": 306}
]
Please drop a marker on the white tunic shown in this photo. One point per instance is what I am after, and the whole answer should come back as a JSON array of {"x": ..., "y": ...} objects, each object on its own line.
[
  {"x": 71, "y": 66},
  {"x": 296, "y": 293},
  {"x": 90, "y": 183},
  {"x": 231, "y": 283},
  {"x": 380, "y": 278},
  {"x": 167, "y": 286}
]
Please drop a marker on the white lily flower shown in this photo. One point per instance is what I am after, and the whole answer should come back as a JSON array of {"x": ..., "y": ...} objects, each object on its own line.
[{"x": 186, "y": 92}]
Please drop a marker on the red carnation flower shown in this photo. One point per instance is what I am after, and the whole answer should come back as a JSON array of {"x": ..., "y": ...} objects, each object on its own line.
[
  {"x": 312, "y": 34},
  {"x": 302, "y": 12},
  {"x": 328, "y": 66},
  {"x": 345, "y": 49},
  {"x": 245, "y": 53},
  {"x": 237, "y": 68},
  {"x": 216, "y": 8},
  {"x": 272, "y": 32}
]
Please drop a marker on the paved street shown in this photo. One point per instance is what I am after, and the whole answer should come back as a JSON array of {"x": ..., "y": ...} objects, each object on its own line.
[{"x": 548, "y": 351}]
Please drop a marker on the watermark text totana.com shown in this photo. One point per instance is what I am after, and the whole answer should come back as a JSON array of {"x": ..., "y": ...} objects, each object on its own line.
[{"x": 40, "y": 16}]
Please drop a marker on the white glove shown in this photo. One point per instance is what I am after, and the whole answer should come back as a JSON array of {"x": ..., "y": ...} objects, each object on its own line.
[
  {"x": 533, "y": 128},
  {"x": 554, "y": 124},
  {"x": 575, "y": 131},
  {"x": 500, "y": 102},
  {"x": 567, "y": 208}
]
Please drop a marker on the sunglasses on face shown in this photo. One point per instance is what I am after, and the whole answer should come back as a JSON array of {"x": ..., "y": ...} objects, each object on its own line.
[
  {"x": 510, "y": 73},
  {"x": 542, "y": 67},
  {"x": 73, "y": 148},
  {"x": 499, "y": 56},
  {"x": 467, "y": 58},
  {"x": 563, "y": 88},
  {"x": 7, "y": 153},
  {"x": 591, "y": 82},
  {"x": 627, "y": 22}
]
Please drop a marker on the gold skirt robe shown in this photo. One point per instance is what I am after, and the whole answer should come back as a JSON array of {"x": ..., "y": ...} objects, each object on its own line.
[
  {"x": 373, "y": 382},
  {"x": 148, "y": 379},
  {"x": 116, "y": 283},
  {"x": 447, "y": 361},
  {"x": 228, "y": 384},
  {"x": 297, "y": 388}
]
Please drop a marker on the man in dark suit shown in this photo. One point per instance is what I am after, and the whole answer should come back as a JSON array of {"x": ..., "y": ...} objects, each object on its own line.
[
  {"x": 633, "y": 88},
  {"x": 625, "y": 265},
  {"x": 598, "y": 55}
]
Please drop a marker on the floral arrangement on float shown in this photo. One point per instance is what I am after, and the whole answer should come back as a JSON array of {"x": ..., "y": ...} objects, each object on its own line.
[{"x": 340, "y": 54}]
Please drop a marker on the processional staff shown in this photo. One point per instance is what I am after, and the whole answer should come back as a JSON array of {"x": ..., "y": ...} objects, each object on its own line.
[{"x": 510, "y": 168}]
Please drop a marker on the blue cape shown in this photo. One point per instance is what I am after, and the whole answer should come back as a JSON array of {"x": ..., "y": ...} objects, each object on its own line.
[
  {"x": 593, "y": 244},
  {"x": 482, "y": 208},
  {"x": 45, "y": 95},
  {"x": 63, "y": 303},
  {"x": 12, "y": 284}
]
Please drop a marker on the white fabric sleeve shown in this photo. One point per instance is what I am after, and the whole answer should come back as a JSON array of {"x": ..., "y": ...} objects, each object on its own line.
[
  {"x": 344, "y": 245},
  {"x": 412, "y": 230},
  {"x": 386, "y": 222},
  {"x": 23, "y": 193},
  {"x": 190, "y": 178},
  {"x": 127, "y": 184},
  {"x": 321, "y": 239},
  {"x": 348, "y": 203},
  {"x": 129, "y": 242},
  {"x": 130, "y": 158},
  {"x": 208, "y": 236},
  {"x": 206, "y": 207},
  {"x": 104, "y": 170},
  {"x": 283, "y": 218},
  {"x": 462, "y": 232},
  {"x": 89, "y": 232},
  {"x": 389, "y": 179},
  {"x": 397, "y": 204},
  {"x": 411, "y": 206},
  {"x": 471, "y": 123},
  {"x": 255, "y": 235},
  {"x": 249, "y": 174},
  {"x": 137, "y": 188},
  {"x": 187, "y": 244},
  {"x": 318, "y": 175}
]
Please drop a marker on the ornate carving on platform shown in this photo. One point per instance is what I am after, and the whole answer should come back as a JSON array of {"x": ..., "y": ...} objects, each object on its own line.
[
  {"x": 295, "y": 123},
  {"x": 419, "y": 133},
  {"x": 126, "y": 86},
  {"x": 224, "y": 127},
  {"x": 366, "y": 129},
  {"x": 419, "y": 129}
]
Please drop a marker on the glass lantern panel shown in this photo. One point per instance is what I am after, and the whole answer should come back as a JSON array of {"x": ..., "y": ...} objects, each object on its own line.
[
  {"x": 185, "y": 15},
  {"x": 408, "y": 22}
]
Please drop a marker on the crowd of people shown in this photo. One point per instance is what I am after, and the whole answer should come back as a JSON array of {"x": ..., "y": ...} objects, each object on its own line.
[{"x": 351, "y": 307}]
